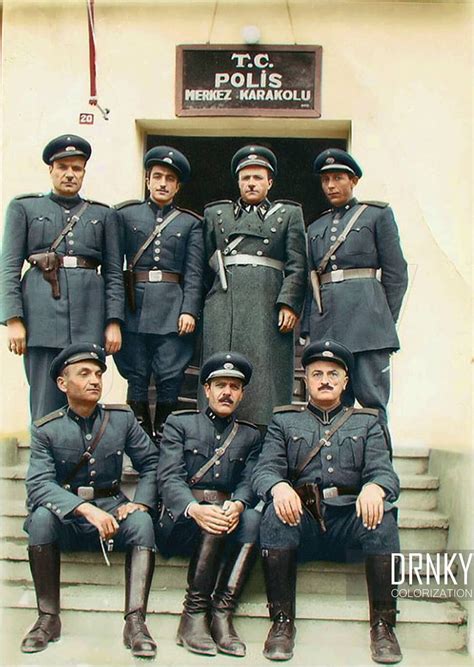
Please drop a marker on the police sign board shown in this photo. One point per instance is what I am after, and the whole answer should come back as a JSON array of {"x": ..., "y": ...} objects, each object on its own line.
[{"x": 243, "y": 80}]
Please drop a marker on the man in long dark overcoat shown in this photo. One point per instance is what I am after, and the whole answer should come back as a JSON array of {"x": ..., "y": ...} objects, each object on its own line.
[
  {"x": 256, "y": 249},
  {"x": 70, "y": 294}
]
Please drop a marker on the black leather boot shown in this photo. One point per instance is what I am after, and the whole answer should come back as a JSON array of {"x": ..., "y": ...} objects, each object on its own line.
[
  {"x": 384, "y": 645},
  {"x": 45, "y": 566},
  {"x": 141, "y": 410},
  {"x": 279, "y": 569},
  {"x": 162, "y": 412},
  {"x": 194, "y": 632},
  {"x": 230, "y": 583},
  {"x": 139, "y": 566}
]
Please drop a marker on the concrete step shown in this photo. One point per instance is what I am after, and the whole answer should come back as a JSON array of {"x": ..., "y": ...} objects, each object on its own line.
[
  {"x": 438, "y": 625},
  {"x": 418, "y": 491},
  {"x": 95, "y": 639},
  {"x": 321, "y": 577}
]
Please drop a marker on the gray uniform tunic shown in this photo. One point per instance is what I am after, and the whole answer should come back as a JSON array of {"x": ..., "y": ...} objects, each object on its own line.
[{"x": 245, "y": 318}]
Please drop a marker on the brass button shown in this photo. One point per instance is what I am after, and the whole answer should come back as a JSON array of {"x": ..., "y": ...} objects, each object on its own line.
[
  {"x": 92, "y": 461},
  {"x": 266, "y": 241},
  {"x": 333, "y": 238},
  {"x": 259, "y": 253},
  {"x": 329, "y": 457},
  {"x": 93, "y": 473},
  {"x": 89, "y": 436},
  {"x": 330, "y": 469}
]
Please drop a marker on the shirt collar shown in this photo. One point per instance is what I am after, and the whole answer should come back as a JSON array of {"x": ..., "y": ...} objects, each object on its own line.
[
  {"x": 325, "y": 416},
  {"x": 220, "y": 423},
  {"x": 65, "y": 202}
]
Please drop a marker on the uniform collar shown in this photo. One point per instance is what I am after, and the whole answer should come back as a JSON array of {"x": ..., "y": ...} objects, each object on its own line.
[
  {"x": 343, "y": 209},
  {"x": 84, "y": 422},
  {"x": 325, "y": 416},
  {"x": 261, "y": 209},
  {"x": 157, "y": 210},
  {"x": 65, "y": 202},
  {"x": 219, "y": 423}
]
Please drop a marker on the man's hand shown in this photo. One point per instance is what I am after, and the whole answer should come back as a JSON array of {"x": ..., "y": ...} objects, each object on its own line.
[
  {"x": 105, "y": 523},
  {"x": 287, "y": 319},
  {"x": 129, "y": 508},
  {"x": 287, "y": 503},
  {"x": 113, "y": 338},
  {"x": 16, "y": 332},
  {"x": 233, "y": 509},
  {"x": 210, "y": 518},
  {"x": 186, "y": 324},
  {"x": 369, "y": 505}
]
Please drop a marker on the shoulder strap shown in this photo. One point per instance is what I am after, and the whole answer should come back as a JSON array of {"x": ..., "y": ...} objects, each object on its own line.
[
  {"x": 233, "y": 244},
  {"x": 340, "y": 239},
  {"x": 315, "y": 450},
  {"x": 89, "y": 451},
  {"x": 159, "y": 228},
  {"x": 212, "y": 461},
  {"x": 69, "y": 226}
]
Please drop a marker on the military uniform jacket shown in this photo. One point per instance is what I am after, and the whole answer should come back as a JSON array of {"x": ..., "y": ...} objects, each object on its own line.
[
  {"x": 57, "y": 443},
  {"x": 360, "y": 313},
  {"x": 33, "y": 222},
  {"x": 189, "y": 440},
  {"x": 245, "y": 318},
  {"x": 178, "y": 249},
  {"x": 356, "y": 455}
]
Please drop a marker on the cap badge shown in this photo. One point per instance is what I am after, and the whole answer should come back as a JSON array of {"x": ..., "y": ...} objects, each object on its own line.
[
  {"x": 70, "y": 148},
  {"x": 327, "y": 343},
  {"x": 227, "y": 356},
  {"x": 94, "y": 355},
  {"x": 328, "y": 353},
  {"x": 330, "y": 160},
  {"x": 168, "y": 159},
  {"x": 228, "y": 366},
  {"x": 170, "y": 153}
]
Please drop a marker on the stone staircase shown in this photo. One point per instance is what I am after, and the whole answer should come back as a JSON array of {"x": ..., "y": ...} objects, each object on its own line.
[{"x": 331, "y": 602}]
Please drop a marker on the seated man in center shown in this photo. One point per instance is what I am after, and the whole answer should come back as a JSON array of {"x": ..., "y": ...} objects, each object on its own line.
[{"x": 204, "y": 472}]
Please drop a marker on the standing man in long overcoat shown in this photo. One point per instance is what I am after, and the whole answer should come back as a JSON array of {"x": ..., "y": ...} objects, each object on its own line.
[
  {"x": 164, "y": 248},
  {"x": 256, "y": 249},
  {"x": 348, "y": 246},
  {"x": 62, "y": 299}
]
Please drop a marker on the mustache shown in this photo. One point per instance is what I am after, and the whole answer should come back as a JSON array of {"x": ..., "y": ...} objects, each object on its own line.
[{"x": 326, "y": 386}]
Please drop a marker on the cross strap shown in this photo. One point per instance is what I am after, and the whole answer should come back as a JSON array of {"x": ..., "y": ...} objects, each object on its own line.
[
  {"x": 340, "y": 239},
  {"x": 158, "y": 229},
  {"x": 89, "y": 451},
  {"x": 317, "y": 448},
  {"x": 75, "y": 218},
  {"x": 218, "y": 454}
]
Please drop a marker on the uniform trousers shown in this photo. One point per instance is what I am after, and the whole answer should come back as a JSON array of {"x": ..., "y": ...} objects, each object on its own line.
[
  {"x": 166, "y": 357},
  {"x": 77, "y": 534},
  {"x": 186, "y": 533},
  {"x": 370, "y": 381},
  {"x": 346, "y": 538},
  {"x": 45, "y": 397}
]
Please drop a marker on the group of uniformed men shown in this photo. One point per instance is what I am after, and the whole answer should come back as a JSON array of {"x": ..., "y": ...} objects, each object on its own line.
[{"x": 324, "y": 472}]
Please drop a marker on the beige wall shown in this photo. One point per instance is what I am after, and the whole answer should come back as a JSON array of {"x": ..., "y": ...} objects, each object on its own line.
[{"x": 396, "y": 81}]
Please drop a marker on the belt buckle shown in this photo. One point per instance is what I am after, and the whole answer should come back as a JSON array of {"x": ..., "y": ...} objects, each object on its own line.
[
  {"x": 210, "y": 495},
  {"x": 331, "y": 492},
  {"x": 85, "y": 492},
  {"x": 70, "y": 262},
  {"x": 155, "y": 276},
  {"x": 337, "y": 276}
]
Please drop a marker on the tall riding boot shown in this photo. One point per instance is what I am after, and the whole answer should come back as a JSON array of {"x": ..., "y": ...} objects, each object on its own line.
[
  {"x": 279, "y": 569},
  {"x": 139, "y": 566},
  {"x": 388, "y": 439},
  {"x": 230, "y": 583},
  {"x": 141, "y": 410},
  {"x": 45, "y": 562},
  {"x": 194, "y": 632},
  {"x": 162, "y": 412},
  {"x": 383, "y": 610}
]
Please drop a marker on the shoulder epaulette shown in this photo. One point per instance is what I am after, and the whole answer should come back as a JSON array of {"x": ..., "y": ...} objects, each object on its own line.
[
  {"x": 50, "y": 417},
  {"x": 287, "y": 201},
  {"x": 379, "y": 204},
  {"x": 116, "y": 406},
  {"x": 31, "y": 194},
  {"x": 97, "y": 203},
  {"x": 218, "y": 203},
  {"x": 129, "y": 202},
  {"x": 185, "y": 412},
  {"x": 288, "y": 408},
  {"x": 244, "y": 421},
  {"x": 366, "y": 411},
  {"x": 193, "y": 213}
]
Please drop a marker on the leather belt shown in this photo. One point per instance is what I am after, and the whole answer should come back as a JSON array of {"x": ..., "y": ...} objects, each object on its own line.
[
  {"x": 210, "y": 495},
  {"x": 156, "y": 276},
  {"x": 73, "y": 262},
  {"x": 334, "y": 491},
  {"x": 346, "y": 274},
  {"x": 254, "y": 260},
  {"x": 89, "y": 493}
]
